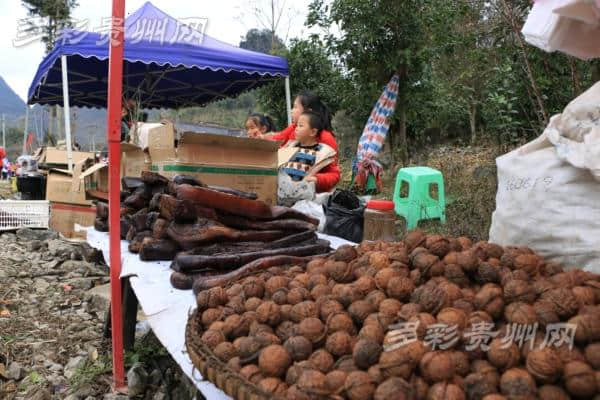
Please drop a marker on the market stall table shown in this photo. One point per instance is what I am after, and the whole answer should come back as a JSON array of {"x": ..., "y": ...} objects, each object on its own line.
[{"x": 167, "y": 308}]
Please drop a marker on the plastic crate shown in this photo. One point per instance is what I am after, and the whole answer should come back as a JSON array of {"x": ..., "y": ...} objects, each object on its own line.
[{"x": 16, "y": 214}]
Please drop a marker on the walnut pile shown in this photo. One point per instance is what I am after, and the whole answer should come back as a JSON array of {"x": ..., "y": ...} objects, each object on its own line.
[{"x": 425, "y": 318}]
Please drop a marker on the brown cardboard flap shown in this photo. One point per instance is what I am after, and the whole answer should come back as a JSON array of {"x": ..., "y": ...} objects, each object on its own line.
[
  {"x": 55, "y": 156},
  {"x": 161, "y": 142},
  {"x": 227, "y": 150}
]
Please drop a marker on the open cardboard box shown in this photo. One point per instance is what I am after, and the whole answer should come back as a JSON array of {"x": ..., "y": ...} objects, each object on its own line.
[
  {"x": 64, "y": 217},
  {"x": 60, "y": 184},
  {"x": 240, "y": 163},
  {"x": 53, "y": 157}
]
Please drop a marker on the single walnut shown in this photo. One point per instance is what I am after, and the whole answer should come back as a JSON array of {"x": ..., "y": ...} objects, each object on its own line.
[
  {"x": 580, "y": 379},
  {"x": 248, "y": 348},
  {"x": 300, "y": 280},
  {"x": 414, "y": 239},
  {"x": 393, "y": 388},
  {"x": 424, "y": 261},
  {"x": 424, "y": 320},
  {"x": 461, "y": 363},
  {"x": 516, "y": 290},
  {"x": 478, "y": 385},
  {"x": 254, "y": 287},
  {"x": 437, "y": 366},
  {"x": 544, "y": 364},
  {"x": 321, "y": 360},
  {"x": 252, "y": 304},
  {"x": 293, "y": 373},
  {"x": 212, "y": 338},
  {"x": 280, "y": 296},
  {"x": 275, "y": 283},
  {"x": 335, "y": 381},
  {"x": 366, "y": 353},
  {"x": 373, "y": 331},
  {"x": 251, "y": 373},
  {"x": 455, "y": 274},
  {"x": 286, "y": 330},
  {"x": 344, "y": 253},
  {"x": 312, "y": 329},
  {"x": 452, "y": 317},
  {"x": 256, "y": 327},
  {"x": 313, "y": 382},
  {"x": 564, "y": 301},
  {"x": 529, "y": 263},
  {"x": 520, "y": 313},
  {"x": 390, "y": 307},
  {"x": 503, "y": 356},
  {"x": 274, "y": 386},
  {"x": 211, "y": 315},
  {"x": 375, "y": 297},
  {"x": 494, "y": 396},
  {"x": 315, "y": 280},
  {"x": 268, "y": 313},
  {"x": 490, "y": 300},
  {"x": 550, "y": 392},
  {"x": 225, "y": 351},
  {"x": 316, "y": 266},
  {"x": 592, "y": 355},
  {"x": 339, "y": 343},
  {"x": 344, "y": 293},
  {"x": 346, "y": 364},
  {"x": 585, "y": 295},
  {"x": 274, "y": 360},
  {"x": 437, "y": 245},
  {"x": 396, "y": 363},
  {"x": 303, "y": 310},
  {"x": 383, "y": 277},
  {"x": 359, "y": 386},
  {"x": 359, "y": 310},
  {"x": 340, "y": 322},
  {"x": 328, "y": 307},
  {"x": 400, "y": 288},
  {"x": 468, "y": 260},
  {"x": 364, "y": 285},
  {"x": 517, "y": 382},
  {"x": 379, "y": 260},
  {"x": 299, "y": 347},
  {"x": 587, "y": 328},
  {"x": 487, "y": 273},
  {"x": 446, "y": 391},
  {"x": 212, "y": 298},
  {"x": 546, "y": 313}
]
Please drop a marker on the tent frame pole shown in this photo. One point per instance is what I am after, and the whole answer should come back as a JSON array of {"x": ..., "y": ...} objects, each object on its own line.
[
  {"x": 288, "y": 100},
  {"x": 67, "y": 111},
  {"x": 115, "y": 89},
  {"x": 26, "y": 129}
]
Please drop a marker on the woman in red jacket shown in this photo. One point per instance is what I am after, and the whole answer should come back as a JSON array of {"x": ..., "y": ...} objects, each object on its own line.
[{"x": 329, "y": 176}]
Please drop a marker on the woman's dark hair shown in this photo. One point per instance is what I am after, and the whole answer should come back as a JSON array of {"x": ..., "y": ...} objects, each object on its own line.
[
  {"x": 262, "y": 120},
  {"x": 315, "y": 121},
  {"x": 312, "y": 102}
]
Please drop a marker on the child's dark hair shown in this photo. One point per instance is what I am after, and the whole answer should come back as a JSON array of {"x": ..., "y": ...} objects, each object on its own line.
[
  {"x": 312, "y": 102},
  {"x": 262, "y": 120},
  {"x": 315, "y": 121}
]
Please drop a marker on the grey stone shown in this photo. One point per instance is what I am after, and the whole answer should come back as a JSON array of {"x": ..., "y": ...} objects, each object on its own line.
[
  {"x": 59, "y": 248},
  {"x": 30, "y": 234},
  {"x": 40, "y": 285},
  {"x": 73, "y": 365},
  {"x": 84, "y": 391},
  {"x": 15, "y": 371},
  {"x": 159, "y": 396},
  {"x": 137, "y": 380},
  {"x": 155, "y": 378},
  {"x": 72, "y": 397},
  {"x": 113, "y": 396},
  {"x": 33, "y": 245}
]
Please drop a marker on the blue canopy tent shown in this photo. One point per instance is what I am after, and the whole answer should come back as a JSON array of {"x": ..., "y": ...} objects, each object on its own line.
[{"x": 167, "y": 64}]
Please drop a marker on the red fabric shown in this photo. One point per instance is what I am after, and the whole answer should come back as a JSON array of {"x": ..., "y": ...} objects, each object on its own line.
[{"x": 329, "y": 176}]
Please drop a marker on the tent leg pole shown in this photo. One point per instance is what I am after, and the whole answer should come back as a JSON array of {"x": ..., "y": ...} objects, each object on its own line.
[
  {"x": 67, "y": 111},
  {"x": 26, "y": 129},
  {"x": 288, "y": 99},
  {"x": 115, "y": 88}
]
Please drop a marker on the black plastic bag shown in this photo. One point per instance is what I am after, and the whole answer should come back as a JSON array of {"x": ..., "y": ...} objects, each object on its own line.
[{"x": 344, "y": 216}]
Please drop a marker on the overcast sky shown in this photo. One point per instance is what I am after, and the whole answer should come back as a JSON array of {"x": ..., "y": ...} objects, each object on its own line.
[{"x": 228, "y": 20}]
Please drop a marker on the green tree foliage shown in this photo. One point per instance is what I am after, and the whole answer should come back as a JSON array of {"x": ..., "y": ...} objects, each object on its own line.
[
  {"x": 261, "y": 40},
  {"x": 311, "y": 69},
  {"x": 57, "y": 14}
]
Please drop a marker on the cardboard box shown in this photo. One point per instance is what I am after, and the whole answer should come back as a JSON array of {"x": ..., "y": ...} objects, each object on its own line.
[
  {"x": 54, "y": 156},
  {"x": 240, "y": 163},
  {"x": 63, "y": 218},
  {"x": 61, "y": 183}
]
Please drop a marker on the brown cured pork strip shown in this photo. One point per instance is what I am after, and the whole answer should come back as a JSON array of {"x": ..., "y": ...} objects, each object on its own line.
[
  {"x": 206, "y": 282},
  {"x": 206, "y": 231},
  {"x": 230, "y": 261},
  {"x": 254, "y": 209},
  {"x": 236, "y": 221}
]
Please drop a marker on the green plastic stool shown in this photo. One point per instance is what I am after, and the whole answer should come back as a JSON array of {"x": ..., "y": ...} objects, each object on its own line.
[{"x": 419, "y": 205}]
